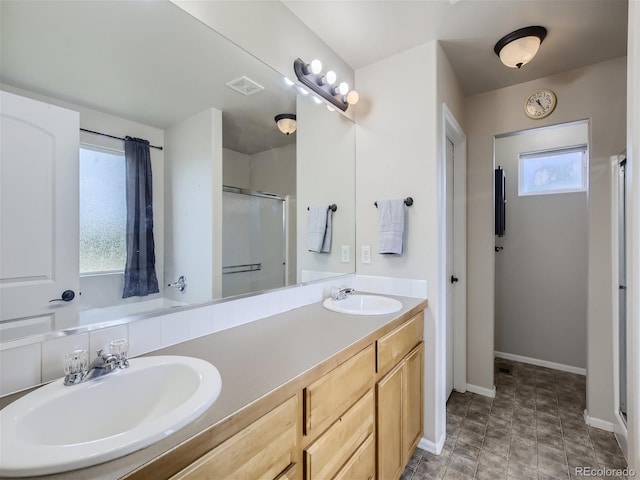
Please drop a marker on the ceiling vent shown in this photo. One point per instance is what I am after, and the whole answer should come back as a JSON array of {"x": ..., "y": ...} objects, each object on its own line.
[{"x": 245, "y": 86}]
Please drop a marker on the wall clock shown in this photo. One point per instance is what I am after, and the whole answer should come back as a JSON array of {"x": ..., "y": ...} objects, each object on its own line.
[{"x": 540, "y": 104}]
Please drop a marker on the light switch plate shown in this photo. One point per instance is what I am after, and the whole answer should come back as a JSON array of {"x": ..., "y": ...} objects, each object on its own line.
[
  {"x": 345, "y": 254},
  {"x": 365, "y": 254}
]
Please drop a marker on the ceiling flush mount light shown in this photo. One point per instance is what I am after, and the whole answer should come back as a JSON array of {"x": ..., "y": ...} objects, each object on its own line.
[
  {"x": 323, "y": 85},
  {"x": 518, "y": 48},
  {"x": 286, "y": 123}
]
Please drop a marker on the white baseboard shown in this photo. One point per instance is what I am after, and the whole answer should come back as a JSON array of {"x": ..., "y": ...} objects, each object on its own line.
[
  {"x": 485, "y": 392},
  {"x": 541, "y": 363},
  {"x": 432, "y": 447},
  {"x": 599, "y": 423}
]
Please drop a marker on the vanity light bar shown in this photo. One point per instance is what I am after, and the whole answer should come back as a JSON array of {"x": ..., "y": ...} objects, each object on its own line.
[{"x": 317, "y": 83}]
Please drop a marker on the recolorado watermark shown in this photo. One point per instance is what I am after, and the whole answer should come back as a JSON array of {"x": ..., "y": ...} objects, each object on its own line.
[{"x": 604, "y": 472}]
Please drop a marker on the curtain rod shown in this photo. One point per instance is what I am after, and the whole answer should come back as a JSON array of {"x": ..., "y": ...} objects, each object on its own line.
[{"x": 112, "y": 136}]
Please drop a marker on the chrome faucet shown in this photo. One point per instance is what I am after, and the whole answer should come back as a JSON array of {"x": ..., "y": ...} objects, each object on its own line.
[
  {"x": 78, "y": 371},
  {"x": 340, "y": 293}
]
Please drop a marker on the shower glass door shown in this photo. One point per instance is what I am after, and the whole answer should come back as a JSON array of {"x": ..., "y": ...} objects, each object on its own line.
[
  {"x": 253, "y": 242},
  {"x": 622, "y": 285}
]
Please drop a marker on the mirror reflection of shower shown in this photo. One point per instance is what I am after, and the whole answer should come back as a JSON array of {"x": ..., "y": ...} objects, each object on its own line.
[{"x": 253, "y": 241}]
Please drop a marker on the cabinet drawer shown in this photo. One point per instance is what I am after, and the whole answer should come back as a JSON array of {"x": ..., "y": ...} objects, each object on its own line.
[
  {"x": 291, "y": 473},
  {"x": 362, "y": 465},
  {"x": 325, "y": 456},
  {"x": 397, "y": 343},
  {"x": 262, "y": 450},
  {"x": 329, "y": 396}
]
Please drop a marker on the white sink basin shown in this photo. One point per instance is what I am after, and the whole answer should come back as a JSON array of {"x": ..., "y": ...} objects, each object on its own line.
[
  {"x": 363, "y": 305},
  {"x": 57, "y": 428}
]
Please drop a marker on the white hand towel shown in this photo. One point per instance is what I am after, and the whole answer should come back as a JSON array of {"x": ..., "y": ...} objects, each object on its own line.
[
  {"x": 317, "y": 228},
  {"x": 390, "y": 226}
]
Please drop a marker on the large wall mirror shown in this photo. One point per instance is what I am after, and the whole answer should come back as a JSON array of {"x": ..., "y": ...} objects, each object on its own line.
[{"x": 232, "y": 194}]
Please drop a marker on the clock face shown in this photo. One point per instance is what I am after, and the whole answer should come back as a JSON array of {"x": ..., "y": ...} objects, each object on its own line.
[{"x": 540, "y": 104}]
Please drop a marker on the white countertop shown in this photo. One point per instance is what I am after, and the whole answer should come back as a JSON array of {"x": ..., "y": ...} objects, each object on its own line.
[{"x": 253, "y": 359}]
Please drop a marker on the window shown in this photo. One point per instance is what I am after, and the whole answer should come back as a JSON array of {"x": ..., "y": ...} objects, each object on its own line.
[
  {"x": 102, "y": 211},
  {"x": 553, "y": 171}
]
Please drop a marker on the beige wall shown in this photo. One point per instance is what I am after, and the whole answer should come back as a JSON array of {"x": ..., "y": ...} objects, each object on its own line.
[
  {"x": 325, "y": 175},
  {"x": 541, "y": 275},
  {"x": 236, "y": 169},
  {"x": 193, "y": 196},
  {"x": 398, "y": 151},
  {"x": 274, "y": 171},
  {"x": 597, "y": 93}
]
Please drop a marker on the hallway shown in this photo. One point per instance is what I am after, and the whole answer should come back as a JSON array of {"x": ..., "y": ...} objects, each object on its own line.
[{"x": 533, "y": 429}]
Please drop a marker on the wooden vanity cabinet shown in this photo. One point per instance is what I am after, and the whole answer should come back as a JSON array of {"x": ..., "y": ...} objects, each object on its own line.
[
  {"x": 399, "y": 397},
  {"x": 361, "y": 419},
  {"x": 265, "y": 450},
  {"x": 339, "y": 419}
]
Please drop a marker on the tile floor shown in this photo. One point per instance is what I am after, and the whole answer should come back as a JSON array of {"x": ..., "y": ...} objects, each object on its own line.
[{"x": 533, "y": 429}]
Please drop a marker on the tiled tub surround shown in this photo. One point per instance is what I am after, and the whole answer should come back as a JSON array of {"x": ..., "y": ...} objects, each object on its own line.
[
  {"x": 533, "y": 430},
  {"x": 260, "y": 362},
  {"x": 42, "y": 360}
]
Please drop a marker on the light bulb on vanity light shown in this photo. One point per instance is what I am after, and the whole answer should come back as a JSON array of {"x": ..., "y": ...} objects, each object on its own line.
[
  {"x": 343, "y": 88},
  {"x": 352, "y": 97},
  {"x": 316, "y": 66},
  {"x": 330, "y": 77}
]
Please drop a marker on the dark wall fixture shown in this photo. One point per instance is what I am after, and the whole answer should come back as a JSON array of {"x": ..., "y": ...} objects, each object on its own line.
[{"x": 500, "y": 201}]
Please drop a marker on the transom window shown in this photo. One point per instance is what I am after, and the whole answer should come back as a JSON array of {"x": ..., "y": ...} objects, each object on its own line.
[
  {"x": 102, "y": 211},
  {"x": 553, "y": 171}
]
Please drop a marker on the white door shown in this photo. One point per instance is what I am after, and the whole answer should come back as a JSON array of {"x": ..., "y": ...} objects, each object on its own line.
[
  {"x": 38, "y": 216},
  {"x": 450, "y": 263},
  {"x": 455, "y": 267}
]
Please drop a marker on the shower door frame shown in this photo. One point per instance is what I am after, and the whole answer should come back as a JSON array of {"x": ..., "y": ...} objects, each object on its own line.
[{"x": 618, "y": 200}]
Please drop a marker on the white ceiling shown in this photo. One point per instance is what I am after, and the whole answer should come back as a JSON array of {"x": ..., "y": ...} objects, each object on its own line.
[{"x": 580, "y": 33}]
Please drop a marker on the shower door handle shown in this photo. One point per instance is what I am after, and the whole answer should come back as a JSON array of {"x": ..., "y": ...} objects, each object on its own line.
[{"x": 454, "y": 279}]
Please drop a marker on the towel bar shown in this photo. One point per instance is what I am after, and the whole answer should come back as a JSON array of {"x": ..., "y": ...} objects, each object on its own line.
[
  {"x": 333, "y": 207},
  {"x": 407, "y": 201}
]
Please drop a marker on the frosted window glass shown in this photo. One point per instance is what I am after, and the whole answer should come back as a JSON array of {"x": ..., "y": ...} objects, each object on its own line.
[
  {"x": 102, "y": 211},
  {"x": 553, "y": 172}
]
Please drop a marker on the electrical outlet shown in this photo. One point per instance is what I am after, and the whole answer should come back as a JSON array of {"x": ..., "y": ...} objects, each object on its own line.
[
  {"x": 345, "y": 254},
  {"x": 365, "y": 254}
]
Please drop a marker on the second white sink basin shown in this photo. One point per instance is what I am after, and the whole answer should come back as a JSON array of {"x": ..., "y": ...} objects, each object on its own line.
[
  {"x": 363, "y": 305},
  {"x": 57, "y": 428}
]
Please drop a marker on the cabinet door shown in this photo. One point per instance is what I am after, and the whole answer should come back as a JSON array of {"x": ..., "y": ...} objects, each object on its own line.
[
  {"x": 412, "y": 405},
  {"x": 262, "y": 451},
  {"x": 389, "y": 425}
]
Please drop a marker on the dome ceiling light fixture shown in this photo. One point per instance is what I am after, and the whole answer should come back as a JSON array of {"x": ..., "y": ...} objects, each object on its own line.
[
  {"x": 286, "y": 123},
  {"x": 519, "y": 47}
]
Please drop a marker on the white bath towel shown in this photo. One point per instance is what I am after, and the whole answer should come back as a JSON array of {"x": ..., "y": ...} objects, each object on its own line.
[
  {"x": 319, "y": 229},
  {"x": 390, "y": 226}
]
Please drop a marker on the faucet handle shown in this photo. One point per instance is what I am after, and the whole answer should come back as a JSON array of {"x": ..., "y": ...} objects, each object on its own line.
[
  {"x": 120, "y": 348},
  {"x": 76, "y": 362}
]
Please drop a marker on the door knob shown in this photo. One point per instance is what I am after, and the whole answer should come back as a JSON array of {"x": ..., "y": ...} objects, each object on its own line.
[
  {"x": 67, "y": 296},
  {"x": 454, "y": 279}
]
